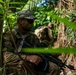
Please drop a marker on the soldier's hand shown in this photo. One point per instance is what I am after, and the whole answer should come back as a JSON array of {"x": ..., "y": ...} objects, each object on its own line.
[{"x": 34, "y": 59}]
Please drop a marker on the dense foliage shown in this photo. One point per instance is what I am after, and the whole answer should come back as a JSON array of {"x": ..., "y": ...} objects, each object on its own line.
[{"x": 46, "y": 11}]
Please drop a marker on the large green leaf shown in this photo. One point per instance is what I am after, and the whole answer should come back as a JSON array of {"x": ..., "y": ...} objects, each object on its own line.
[
  {"x": 49, "y": 50},
  {"x": 65, "y": 21}
]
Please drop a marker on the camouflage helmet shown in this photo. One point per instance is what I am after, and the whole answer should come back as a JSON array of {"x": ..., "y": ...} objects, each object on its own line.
[{"x": 26, "y": 14}]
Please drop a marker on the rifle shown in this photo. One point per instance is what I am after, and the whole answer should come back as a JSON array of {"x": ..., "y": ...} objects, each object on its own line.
[{"x": 57, "y": 61}]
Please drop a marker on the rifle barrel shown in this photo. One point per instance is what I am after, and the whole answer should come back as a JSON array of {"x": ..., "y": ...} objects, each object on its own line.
[{"x": 57, "y": 61}]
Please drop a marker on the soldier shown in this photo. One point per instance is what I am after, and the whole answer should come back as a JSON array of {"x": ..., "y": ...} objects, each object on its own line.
[
  {"x": 44, "y": 33},
  {"x": 24, "y": 38}
]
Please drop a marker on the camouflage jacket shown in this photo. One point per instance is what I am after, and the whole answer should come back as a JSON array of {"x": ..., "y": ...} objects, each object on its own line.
[{"x": 30, "y": 40}]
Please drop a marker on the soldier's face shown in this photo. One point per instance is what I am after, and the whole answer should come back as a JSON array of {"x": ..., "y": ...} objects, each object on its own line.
[{"x": 27, "y": 24}]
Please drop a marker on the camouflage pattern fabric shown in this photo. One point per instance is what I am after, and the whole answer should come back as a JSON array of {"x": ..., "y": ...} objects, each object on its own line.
[
  {"x": 14, "y": 66},
  {"x": 44, "y": 33},
  {"x": 10, "y": 58}
]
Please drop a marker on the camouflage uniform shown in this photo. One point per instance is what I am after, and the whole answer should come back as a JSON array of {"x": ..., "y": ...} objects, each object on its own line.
[
  {"x": 12, "y": 61},
  {"x": 8, "y": 47},
  {"x": 14, "y": 66},
  {"x": 44, "y": 33}
]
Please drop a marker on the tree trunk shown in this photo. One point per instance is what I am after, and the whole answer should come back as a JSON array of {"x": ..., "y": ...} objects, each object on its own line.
[{"x": 1, "y": 56}]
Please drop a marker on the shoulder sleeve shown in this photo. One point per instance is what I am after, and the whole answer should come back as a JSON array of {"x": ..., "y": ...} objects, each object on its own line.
[
  {"x": 7, "y": 42},
  {"x": 35, "y": 40}
]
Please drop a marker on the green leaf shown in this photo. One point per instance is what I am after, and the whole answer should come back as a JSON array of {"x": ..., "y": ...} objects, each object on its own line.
[
  {"x": 1, "y": 69},
  {"x": 1, "y": 9},
  {"x": 75, "y": 1},
  {"x": 0, "y": 0},
  {"x": 16, "y": 2},
  {"x": 65, "y": 21},
  {"x": 49, "y": 50}
]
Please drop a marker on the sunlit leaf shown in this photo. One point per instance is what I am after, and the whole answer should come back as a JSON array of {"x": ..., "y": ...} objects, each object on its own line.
[
  {"x": 49, "y": 50},
  {"x": 75, "y": 1},
  {"x": 65, "y": 21},
  {"x": 16, "y": 3},
  {"x": 0, "y": 0}
]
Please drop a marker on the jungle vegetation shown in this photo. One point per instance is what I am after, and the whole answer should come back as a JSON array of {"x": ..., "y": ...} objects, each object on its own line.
[{"x": 61, "y": 13}]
